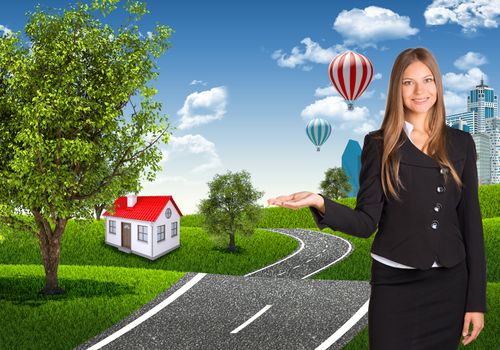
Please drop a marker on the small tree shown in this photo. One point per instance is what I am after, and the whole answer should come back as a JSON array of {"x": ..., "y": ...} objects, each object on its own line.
[
  {"x": 65, "y": 143},
  {"x": 231, "y": 207},
  {"x": 336, "y": 184}
]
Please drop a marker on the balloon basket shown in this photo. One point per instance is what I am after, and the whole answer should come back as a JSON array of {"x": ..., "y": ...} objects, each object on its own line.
[
  {"x": 350, "y": 107},
  {"x": 317, "y": 149}
]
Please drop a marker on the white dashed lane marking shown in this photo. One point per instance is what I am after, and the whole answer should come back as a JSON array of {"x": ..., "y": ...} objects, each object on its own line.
[{"x": 251, "y": 319}]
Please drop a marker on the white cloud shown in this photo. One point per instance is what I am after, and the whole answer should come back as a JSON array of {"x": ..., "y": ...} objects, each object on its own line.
[
  {"x": 6, "y": 31},
  {"x": 313, "y": 53},
  {"x": 334, "y": 107},
  {"x": 330, "y": 91},
  {"x": 331, "y": 106},
  {"x": 198, "y": 82},
  {"x": 469, "y": 14},
  {"x": 470, "y": 60},
  {"x": 203, "y": 107},
  {"x": 455, "y": 102},
  {"x": 377, "y": 76},
  {"x": 463, "y": 82},
  {"x": 176, "y": 180},
  {"x": 364, "y": 128},
  {"x": 367, "y": 94},
  {"x": 186, "y": 192},
  {"x": 371, "y": 25},
  {"x": 195, "y": 144},
  {"x": 326, "y": 91}
]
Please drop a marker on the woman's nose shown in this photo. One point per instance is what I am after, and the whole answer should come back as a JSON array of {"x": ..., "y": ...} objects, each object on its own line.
[{"x": 418, "y": 88}]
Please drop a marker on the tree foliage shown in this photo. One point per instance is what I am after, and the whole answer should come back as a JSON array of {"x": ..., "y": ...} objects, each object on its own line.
[
  {"x": 231, "y": 207},
  {"x": 66, "y": 141},
  {"x": 335, "y": 184}
]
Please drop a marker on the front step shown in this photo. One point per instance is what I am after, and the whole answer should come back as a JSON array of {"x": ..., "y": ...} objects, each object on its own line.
[{"x": 125, "y": 250}]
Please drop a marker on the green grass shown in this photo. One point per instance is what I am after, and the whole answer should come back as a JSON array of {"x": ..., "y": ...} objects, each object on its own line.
[
  {"x": 83, "y": 244},
  {"x": 95, "y": 299},
  {"x": 104, "y": 285}
]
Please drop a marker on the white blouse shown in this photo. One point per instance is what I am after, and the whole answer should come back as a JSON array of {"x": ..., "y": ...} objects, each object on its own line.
[{"x": 408, "y": 127}]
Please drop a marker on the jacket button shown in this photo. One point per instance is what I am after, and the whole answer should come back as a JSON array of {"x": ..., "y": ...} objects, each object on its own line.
[
  {"x": 443, "y": 170},
  {"x": 441, "y": 189},
  {"x": 434, "y": 224},
  {"x": 437, "y": 207}
]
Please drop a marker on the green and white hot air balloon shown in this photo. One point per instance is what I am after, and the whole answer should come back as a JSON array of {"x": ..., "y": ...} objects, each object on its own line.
[{"x": 318, "y": 130}]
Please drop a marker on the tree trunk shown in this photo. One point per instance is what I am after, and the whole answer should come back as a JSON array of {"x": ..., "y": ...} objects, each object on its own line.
[
  {"x": 50, "y": 247},
  {"x": 98, "y": 210},
  {"x": 231, "y": 242}
]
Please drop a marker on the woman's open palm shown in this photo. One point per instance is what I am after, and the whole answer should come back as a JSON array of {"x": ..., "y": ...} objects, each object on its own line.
[{"x": 298, "y": 200}]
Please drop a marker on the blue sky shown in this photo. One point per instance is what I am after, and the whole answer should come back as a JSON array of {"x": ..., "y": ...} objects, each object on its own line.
[{"x": 242, "y": 80}]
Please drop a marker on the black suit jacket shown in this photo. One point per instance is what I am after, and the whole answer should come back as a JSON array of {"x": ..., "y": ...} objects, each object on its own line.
[{"x": 433, "y": 222}]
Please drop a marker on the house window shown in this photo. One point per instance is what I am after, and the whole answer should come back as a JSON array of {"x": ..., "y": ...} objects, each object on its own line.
[
  {"x": 161, "y": 233},
  {"x": 174, "y": 229},
  {"x": 112, "y": 227},
  {"x": 142, "y": 233}
]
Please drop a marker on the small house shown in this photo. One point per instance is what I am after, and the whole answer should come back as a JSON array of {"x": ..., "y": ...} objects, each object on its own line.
[{"x": 144, "y": 225}]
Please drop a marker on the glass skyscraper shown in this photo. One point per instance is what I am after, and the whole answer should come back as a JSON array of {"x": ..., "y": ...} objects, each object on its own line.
[
  {"x": 484, "y": 102},
  {"x": 483, "y": 122},
  {"x": 470, "y": 118},
  {"x": 351, "y": 164}
]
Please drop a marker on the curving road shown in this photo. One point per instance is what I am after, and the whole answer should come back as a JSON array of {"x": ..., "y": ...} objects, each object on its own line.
[{"x": 272, "y": 308}]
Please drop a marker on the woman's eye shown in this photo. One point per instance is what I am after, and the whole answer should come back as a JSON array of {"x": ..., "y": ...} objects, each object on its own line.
[
  {"x": 429, "y": 80},
  {"x": 407, "y": 82}
]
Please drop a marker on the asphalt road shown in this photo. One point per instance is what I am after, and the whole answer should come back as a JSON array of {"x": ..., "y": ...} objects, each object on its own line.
[{"x": 276, "y": 307}]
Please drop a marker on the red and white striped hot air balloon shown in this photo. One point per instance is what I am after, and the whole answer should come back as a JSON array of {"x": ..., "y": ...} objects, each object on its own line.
[{"x": 350, "y": 73}]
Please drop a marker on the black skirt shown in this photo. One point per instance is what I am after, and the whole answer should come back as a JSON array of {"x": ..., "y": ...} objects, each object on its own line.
[{"x": 414, "y": 309}]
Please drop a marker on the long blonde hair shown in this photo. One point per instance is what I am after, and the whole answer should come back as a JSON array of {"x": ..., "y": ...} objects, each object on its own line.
[{"x": 392, "y": 125}]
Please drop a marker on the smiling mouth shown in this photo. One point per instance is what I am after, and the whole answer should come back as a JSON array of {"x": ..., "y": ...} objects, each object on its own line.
[{"x": 420, "y": 100}]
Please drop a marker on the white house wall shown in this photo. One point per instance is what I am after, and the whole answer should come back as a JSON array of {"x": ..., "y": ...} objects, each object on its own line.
[
  {"x": 136, "y": 246},
  {"x": 114, "y": 239},
  {"x": 170, "y": 242}
]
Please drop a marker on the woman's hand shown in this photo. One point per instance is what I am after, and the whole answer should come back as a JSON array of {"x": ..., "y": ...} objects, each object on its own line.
[
  {"x": 477, "y": 320},
  {"x": 299, "y": 200}
]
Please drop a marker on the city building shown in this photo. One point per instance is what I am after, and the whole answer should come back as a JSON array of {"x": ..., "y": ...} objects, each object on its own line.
[
  {"x": 462, "y": 125},
  {"x": 351, "y": 163},
  {"x": 469, "y": 118},
  {"x": 484, "y": 102},
  {"x": 483, "y": 150},
  {"x": 493, "y": 131},
  {"x": 482, "y": 121}
]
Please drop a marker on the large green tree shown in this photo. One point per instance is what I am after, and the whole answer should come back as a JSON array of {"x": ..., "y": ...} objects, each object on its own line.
[
  {"x": 230, "y": 207},
  {"x": 78, "y": 121}
]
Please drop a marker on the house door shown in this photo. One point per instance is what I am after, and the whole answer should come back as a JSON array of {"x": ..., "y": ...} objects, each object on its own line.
[{"x": 126, "y": 228}]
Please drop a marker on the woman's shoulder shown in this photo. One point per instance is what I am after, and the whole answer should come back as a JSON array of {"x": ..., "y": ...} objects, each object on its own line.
[
  {"x": 459, "y": 142},
  {"x": 457, "y": 134},
  {"x": 375, "y": 135}
]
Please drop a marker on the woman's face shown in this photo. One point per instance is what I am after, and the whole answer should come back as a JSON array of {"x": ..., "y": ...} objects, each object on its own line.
[{"x": 418, "y": 89}]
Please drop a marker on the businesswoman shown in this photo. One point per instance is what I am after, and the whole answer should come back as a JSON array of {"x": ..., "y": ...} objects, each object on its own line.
[{"x": 419, "y": 187}]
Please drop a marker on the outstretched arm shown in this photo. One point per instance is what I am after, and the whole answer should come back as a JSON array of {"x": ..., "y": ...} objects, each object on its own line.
[{"x": 362, "y": 221}]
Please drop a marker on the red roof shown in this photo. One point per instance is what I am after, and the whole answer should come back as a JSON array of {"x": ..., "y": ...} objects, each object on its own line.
[{"x": 147, "y": 208}]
